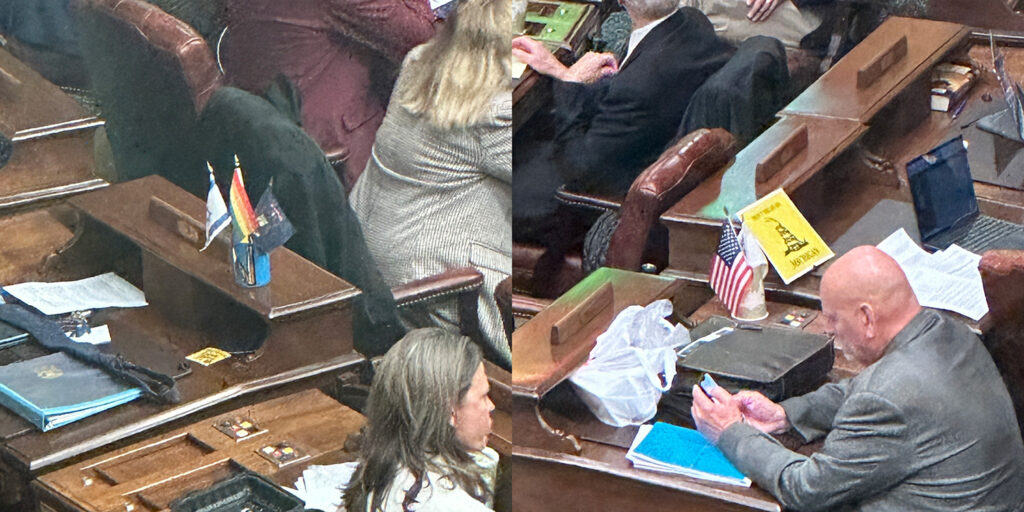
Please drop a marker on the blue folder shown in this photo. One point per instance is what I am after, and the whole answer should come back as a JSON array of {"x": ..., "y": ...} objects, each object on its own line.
[
  {"x": 673, "y": 449},
  {"x": 56, "y": 389}
]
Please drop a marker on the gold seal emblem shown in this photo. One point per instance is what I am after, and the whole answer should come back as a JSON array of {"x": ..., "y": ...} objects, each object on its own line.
[{"x": 49, "y": 372}]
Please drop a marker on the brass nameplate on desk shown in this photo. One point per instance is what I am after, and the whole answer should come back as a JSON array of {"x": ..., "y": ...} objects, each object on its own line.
[
  {"x": 770, "y": 165},
  {"x": 868, "y": 74},
  {"x": 175, "y": 221},
  {"x": 583, "y": 314}
]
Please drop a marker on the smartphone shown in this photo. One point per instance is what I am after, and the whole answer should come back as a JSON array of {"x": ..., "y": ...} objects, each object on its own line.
[{"x": 706, "y": 384}]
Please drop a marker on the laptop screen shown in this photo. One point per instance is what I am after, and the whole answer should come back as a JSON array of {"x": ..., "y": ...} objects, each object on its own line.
[{"x": 942, "y": 188}]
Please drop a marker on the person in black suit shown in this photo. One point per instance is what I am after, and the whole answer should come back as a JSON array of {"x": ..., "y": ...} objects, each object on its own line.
[{"x": 612, "y": 120}]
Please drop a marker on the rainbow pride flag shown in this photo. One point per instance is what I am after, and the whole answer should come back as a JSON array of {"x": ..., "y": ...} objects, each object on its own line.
[{"x": 241, "y": 209}]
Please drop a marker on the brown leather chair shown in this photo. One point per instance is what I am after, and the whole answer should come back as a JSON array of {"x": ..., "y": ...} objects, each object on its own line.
[
  {"x": 1002, "y": 274},
  {"x": 676, "y": 172},
  {"x": 152, "y": 75}
]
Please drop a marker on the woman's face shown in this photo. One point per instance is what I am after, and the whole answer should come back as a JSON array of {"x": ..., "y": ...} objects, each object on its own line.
[{"x": 472, "y": 417}]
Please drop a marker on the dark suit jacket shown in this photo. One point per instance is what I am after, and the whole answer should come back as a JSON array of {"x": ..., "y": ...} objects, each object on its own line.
[
  {"x": 609, "y": 132},
  {"x": 929, "y": 426},
  {"x": 342, "y": 54}
]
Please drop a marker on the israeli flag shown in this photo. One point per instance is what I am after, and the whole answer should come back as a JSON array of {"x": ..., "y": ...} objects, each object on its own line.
[{"x": 217, "y": 217}]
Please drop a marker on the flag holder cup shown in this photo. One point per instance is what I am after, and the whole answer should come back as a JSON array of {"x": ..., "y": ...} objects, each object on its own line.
[
  {"x": 251, "y": 265},
  {"x": 752, "y": 305}
]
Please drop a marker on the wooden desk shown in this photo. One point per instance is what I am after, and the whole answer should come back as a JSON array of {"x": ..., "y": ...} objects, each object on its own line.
[
  {"x": 998, "y": 194},
  {"x": 554, "y": 458},
  {"x": 49, "y": 167},
  {"x": 592, "y": 473},
  {"x": 150, "y": 474},
  {"x": 841, "y": 187},
  {"x": 694, "y": 223},
  {"x": 303, "y": 315},
  {"x": 836, "y": 93},
  {"x": 537, "y": 365}
]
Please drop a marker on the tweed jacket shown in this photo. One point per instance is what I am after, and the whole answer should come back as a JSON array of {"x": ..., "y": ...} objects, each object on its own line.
[
  {"x": 929, "y": 426},
  {"x": 431, "y": 199}
]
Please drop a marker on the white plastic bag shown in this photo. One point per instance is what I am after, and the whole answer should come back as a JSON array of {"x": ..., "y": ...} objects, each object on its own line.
[{"x": 631, "y": 365}]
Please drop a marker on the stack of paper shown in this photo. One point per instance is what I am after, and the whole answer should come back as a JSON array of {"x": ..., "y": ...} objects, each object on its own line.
[
  {"x": 102, "y": 291},
  {"x": 322, "y": 487},
  {"x": 682, "y": 451},
  {"x": 947, "y": 279}
]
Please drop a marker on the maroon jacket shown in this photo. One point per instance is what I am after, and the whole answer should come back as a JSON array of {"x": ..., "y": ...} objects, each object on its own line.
[{"x": 342, "y": 54}]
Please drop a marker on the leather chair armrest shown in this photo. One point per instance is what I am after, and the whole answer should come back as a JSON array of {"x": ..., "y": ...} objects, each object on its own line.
[
  {"x": 524, "y": 306},
  {"x": 588, "y": 201},
  {"x": 462, "y": 282},
  {"x": 450, "y": 282},
  {"x": 676, "y": 172}
]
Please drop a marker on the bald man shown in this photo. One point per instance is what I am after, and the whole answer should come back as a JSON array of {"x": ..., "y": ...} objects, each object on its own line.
[{"x": 926, "y": 425}]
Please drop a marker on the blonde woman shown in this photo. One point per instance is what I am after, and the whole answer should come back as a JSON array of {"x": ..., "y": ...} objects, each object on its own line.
[{"x": 436, "y": 192}]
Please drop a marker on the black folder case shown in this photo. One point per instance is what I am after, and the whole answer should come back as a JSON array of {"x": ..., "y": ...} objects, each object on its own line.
[{"x": 780, "y": 362}]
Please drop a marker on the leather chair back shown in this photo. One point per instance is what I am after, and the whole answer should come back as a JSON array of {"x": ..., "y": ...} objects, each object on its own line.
[
  {"x": 152, "y": 74},
  {"x": 676, "y": 172}
]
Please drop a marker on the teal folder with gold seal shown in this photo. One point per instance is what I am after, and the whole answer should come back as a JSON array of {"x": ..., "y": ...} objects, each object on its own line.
[{"x": 57, "y": 389}]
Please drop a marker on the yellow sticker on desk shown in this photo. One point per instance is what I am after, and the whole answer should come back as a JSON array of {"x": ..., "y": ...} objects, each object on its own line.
[
  {"x": 208, "y": 356},
  {"x": 789, "y": 241}
]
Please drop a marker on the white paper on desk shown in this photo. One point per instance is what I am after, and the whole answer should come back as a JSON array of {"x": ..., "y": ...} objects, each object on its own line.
[
  {"x": 96, "y": 336},
  {"x": 323, "y": 487},
  {"x": 102, "y": 291},
  {"x": 903, "y": 249},
  {"x": 518, "y": 68},
  {"x": 948, "y": 279}
]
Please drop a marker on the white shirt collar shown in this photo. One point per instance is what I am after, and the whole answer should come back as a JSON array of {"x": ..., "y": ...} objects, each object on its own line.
[{"x": 639, "y": 34}]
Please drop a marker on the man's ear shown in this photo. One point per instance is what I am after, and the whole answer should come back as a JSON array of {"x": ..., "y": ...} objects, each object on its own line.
[
  {"x": 869, "y": 319},
  {"x": 451, "y": 419}
]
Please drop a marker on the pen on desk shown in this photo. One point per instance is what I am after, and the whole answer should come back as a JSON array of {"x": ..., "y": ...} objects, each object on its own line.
[{"x": 250, "y": 277}]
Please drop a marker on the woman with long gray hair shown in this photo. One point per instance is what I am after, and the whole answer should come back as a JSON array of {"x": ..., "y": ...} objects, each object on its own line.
[
  {"x": 436, "y": 193},
  {"x": 428, "y": 419}
]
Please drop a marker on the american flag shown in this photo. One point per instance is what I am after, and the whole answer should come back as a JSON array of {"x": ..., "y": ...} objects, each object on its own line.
[{"x": 730, "y": 273}]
